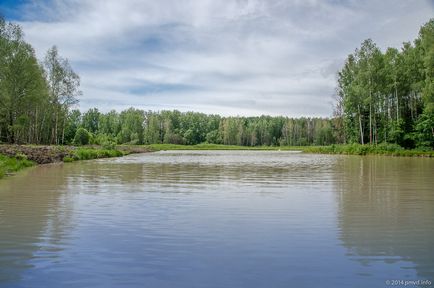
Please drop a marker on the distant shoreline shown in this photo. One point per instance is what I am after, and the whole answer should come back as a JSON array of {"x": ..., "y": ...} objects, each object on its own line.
[
  {"x": 346, "y": 149},
  {"x": 17, "y": 157}
]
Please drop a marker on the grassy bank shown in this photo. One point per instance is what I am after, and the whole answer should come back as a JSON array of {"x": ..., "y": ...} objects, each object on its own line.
[
  {"x": 16, "y": 157},
  {"x": 9, "y": 165},
  {"x": 380, "y": 149},
  {"x": 159, "y": 147},
  {"x": 349, "y": 149},
  {"x": 92, "y": 153}
]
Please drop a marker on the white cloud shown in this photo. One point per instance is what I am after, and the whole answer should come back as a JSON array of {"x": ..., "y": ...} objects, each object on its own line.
[{"x": 227, "y": 57}]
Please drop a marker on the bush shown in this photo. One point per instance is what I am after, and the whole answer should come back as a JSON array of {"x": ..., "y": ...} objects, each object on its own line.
[
  {"x": 68, "y": 159},
  {"x": 82, "y": 137},
  {"x": 108, "y": 145},
  {"x": 389, "y": 147},
  {"x": 90, "y": 153},
  {"x": 85, "y": 154}
]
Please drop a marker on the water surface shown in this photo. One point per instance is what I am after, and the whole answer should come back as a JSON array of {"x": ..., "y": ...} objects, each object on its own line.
[{"x": 219, "y": 219}]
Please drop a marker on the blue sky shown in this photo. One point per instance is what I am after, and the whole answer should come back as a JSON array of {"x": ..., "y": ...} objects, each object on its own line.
[{"x": 240, "y": 57}]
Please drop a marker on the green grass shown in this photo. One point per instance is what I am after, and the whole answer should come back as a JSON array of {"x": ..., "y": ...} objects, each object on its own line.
[
  {"x": 87, "y": 153},
  {"x": 9, "y": 165},
  {"x": 380, "y": 149},
  {"x": 159, "y": 147},
  {"x": 349, "y": 149}
]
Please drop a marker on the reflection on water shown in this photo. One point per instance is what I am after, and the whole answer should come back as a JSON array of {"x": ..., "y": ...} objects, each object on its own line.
[
  {"x": 386, "y": 213},
  {"x": 33, "y": 219},
  {"x": 219, "y": 219}
]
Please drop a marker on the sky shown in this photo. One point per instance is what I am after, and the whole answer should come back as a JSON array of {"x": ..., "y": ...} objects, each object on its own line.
[{"x": 227, "y": 57}]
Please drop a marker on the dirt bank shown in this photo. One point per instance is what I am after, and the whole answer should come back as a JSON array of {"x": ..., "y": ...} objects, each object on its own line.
[
  {"x": 38, "y": 154},
  {"x": 50, "y": 154}
]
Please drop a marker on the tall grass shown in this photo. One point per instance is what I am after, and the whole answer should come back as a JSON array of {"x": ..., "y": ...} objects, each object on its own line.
[
  {"x": 85, "y": 153},
  {"x": 158, "y": 147},
  {"x": 13, "y": 164},
  {"x": 380, "y": 149},
  {"x": 349, "y": 149}
]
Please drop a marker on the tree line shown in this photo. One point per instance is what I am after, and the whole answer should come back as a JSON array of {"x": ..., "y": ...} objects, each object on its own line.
[
  {"x": 35, "y": 97},
  {"x": 381, "y": 97},
  {"x": 135, "y": 126},
  {"x": 388, "y": 96}
]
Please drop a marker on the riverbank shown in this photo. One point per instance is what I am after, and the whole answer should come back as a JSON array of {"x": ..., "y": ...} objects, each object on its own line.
[
  {"x": 161, "y": 147},
  {"x": 9, "y": 165},
  {"x": 348, "y": 149},
  {"x": 16, "y": 157},
  {"x": 380, "y": 149}
]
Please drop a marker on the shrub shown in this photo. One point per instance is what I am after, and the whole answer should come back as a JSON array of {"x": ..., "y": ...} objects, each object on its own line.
[
  {"x": 68, "y": 159},
  {"x": 108, "y": 145},
  {"x": 90, "y": 153},
  {"x": 82, "y": 137}
]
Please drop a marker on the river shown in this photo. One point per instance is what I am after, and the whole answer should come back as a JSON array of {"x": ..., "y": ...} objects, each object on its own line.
[{"x": 220, "y": 219}]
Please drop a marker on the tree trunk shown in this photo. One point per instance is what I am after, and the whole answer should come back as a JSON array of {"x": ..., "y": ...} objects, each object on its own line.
[
  {"x": 36, "y": 127},
  {"x": 370, "y": 115},
  {"x": 63, "y": 131},
  {"x": 397, "y": 104},
  {"x": 55, "y": 128},
  {"x": 360, "y": 127},
  {"x": 10, "y": 130}
]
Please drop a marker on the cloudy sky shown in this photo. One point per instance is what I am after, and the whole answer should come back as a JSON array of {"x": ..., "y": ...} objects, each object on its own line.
[{"x": 229, "y": 57}]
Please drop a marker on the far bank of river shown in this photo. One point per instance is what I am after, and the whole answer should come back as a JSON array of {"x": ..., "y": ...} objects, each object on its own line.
[
  {"x": 16, "y": 157},
  {"x": 348, "y": 149}
]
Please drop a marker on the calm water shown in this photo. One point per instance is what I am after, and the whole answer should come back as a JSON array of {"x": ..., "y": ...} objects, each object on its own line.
[{"x": 219, "y": 219}]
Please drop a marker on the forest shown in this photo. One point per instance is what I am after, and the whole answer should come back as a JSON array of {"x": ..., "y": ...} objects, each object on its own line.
[
  {"x": 382, "y": 97},
  {"x": 388, "y": 96}
]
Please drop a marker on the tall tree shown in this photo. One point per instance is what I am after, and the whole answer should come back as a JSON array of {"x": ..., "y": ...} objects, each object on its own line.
[
  {"x": 64, "y": 90},
  {"x": 22, "y": 87}
]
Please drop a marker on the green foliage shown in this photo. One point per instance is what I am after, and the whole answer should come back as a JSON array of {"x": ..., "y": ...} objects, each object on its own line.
[
  {"x": 387, "y": 97},
  {"x": 106, "y": 141},
  {"x": 91, "y": 153},
  {"x": 73, "y": 122},
  {"x": 90, "y": 120},
  {"x": 35, "y": 97},
  {"x": 135, "y": 126},
  {"x": 108, "y": 145},
  {"x": 396, "y": 131},
  {"x": 358, "y": 149},
  {"x": 63, "y": 89},
  {"x": 425, "y": 130},
  {"x": 207, "y": 146},
  {"x": 23, "y": 92},
  {"x": 82, "y": 137},
  {"x": 13, "y": 164},
  {"x": 124, "y": 136},
  {"x": 67, "y": 159},
  {"x": 213, "y": 137}
]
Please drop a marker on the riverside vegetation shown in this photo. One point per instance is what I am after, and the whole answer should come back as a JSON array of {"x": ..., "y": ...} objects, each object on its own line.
[
  {"x": 349, "y": 149},
  {"x": 384, "y": 99},
  {"x": 16, "y": 157}
]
